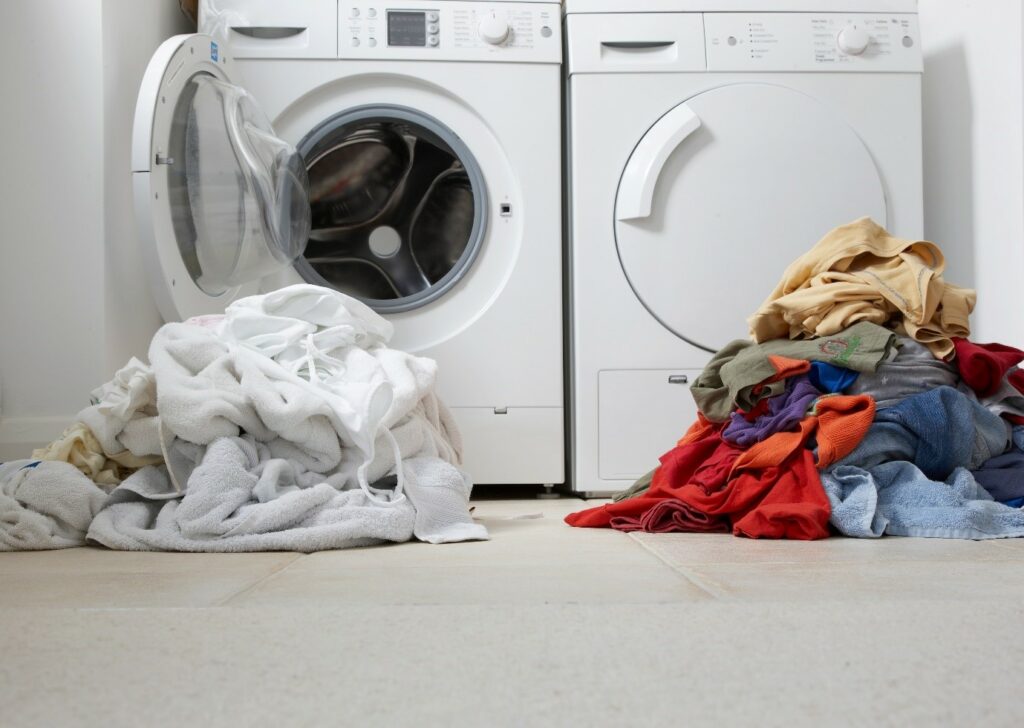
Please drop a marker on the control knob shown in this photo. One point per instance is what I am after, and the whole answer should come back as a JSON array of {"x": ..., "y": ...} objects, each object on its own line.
[
  {"x": 853, "y": 40},
  {"x": 494, "y": 30}
]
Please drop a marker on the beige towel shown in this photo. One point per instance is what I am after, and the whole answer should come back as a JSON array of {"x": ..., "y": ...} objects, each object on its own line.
[
  {"x": 858, "y": 272},
  {"x": 78, "y": 446}
]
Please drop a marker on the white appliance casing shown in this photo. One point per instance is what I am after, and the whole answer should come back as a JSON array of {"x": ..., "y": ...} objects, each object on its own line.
[
  {"x": 497, "y": 334},
  {"x": 624, "y": 411}
]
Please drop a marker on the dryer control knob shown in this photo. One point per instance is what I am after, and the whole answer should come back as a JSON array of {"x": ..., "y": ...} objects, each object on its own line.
[
  {"x": 494, "y": 30},
  {"x": 853, "y": 40}
]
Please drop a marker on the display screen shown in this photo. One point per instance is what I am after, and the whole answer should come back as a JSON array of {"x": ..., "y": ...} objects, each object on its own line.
[{"x": 407, "y": 28}]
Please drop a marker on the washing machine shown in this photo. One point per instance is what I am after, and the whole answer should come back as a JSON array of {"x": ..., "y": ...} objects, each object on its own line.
[
  {"x": 710, "y": 144},
  {"x": 429, "y": 134}
]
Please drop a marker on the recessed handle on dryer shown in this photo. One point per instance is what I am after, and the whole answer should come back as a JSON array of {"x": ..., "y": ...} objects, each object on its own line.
[
  {"x": 678, "y": 379},
  {"x": 637, "y": 45},
  {"x": 644, "y": 166},
  {"x": 267, "y": 32}
]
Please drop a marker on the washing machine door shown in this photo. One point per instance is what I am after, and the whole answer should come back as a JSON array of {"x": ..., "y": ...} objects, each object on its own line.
[
  {"x": 221, "y": 201},
  {"x": 724, "y": 191}
]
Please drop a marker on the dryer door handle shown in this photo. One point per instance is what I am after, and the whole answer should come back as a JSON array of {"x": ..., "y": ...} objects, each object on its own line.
[{"x": 636, "y": 190}]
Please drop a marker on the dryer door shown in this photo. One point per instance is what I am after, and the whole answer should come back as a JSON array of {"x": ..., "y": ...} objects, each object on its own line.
[
  {"x": 220, "y": 200},
  {"x": 723, "y": 192}
]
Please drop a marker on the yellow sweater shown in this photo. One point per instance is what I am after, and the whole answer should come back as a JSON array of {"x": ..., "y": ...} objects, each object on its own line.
[{"x": 858, "y": 272}]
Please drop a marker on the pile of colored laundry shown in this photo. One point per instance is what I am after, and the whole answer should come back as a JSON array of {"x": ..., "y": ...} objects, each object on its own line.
[
  {"x": 858, "y": 406},
  {"x": 285, "y": 424}
]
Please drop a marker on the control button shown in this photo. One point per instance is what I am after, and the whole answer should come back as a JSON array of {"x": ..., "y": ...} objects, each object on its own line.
[
  {"x": 355, "y": 42},
  {"x": 432, "y": 41},
  {"x": 371, "y": 13},
  {"x": 545, "y": 31},
  {"x": 432, "y": 17},
  {"x": 432, "y": 28},
  {"x": 355, "y": 12},
  {"x": 731, "y": 40},
  {"x": 853, "y": 40},
  {"x": 907, "y": 41},
  {"x": 494, "y": 30},
  {"x": 372, "y": 42}
]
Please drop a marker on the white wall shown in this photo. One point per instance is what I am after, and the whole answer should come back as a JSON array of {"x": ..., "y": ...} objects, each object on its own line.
[
  {"x": 974, "y": 154},
  {"x": 73, "y": 306},
  {"x": 51, "y": 256},
  {"x": 132, "y": 30}
]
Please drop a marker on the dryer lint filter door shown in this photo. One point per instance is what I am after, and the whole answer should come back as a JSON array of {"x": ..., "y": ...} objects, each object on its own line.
[
  {"x": 724, "y": 191},
  {"x": 221, "y": 200}
]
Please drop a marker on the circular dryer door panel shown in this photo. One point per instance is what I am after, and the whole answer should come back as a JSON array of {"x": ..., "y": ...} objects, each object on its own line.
[
  {"x": 221, "y": 200},
  {"x": 723, "y": 192}
]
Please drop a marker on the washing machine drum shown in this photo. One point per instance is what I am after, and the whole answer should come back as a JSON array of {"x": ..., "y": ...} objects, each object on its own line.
[{"x": 397, "y": 208}]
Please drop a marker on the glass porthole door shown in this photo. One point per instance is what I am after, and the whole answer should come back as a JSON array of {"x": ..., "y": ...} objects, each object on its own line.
[
  {"x": 221, "y": 200},
  {"x": 384, "y": 203}
]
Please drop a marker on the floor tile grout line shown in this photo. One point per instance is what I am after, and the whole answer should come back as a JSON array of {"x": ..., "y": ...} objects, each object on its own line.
[
  {"x": 274, "y": 572},
  {"x": 685, "y": 573}
]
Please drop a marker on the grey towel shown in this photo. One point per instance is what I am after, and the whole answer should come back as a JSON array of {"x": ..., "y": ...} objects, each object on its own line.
[
  {"x": 45, "y": 505},
  {"x": 222, "y": 509}
]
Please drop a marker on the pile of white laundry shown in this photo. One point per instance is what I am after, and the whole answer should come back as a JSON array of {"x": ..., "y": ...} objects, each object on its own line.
[{"x": 284, "y": 424}]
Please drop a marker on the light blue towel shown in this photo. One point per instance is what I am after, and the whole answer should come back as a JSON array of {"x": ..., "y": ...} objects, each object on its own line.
[{"x": 896, "y": 498}]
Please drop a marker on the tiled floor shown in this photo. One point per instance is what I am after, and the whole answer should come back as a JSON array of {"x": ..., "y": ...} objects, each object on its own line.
[{"x": 543, "y": 625}]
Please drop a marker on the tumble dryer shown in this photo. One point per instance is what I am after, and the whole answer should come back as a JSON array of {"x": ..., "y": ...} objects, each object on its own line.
[
  {"x": 422, "y": 185},
  {"x": 710, "y": 143}
]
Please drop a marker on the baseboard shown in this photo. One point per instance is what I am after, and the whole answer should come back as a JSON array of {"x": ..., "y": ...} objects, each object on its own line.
[{"x": 19, "y": 436}]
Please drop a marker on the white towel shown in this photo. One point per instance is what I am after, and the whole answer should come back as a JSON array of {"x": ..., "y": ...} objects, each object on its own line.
[
  {"x": 45, "y": 505},
  {"x": 123, "y": 415},
  {"x": 439, "y": 492},
  {"x": 273, "y": 421},
  {"x": 207, "y": 390},
  {"x": 321, "y": 389}
]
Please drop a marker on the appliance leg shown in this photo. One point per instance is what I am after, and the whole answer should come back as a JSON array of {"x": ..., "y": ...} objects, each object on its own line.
[{"x": 549, "y": 492}]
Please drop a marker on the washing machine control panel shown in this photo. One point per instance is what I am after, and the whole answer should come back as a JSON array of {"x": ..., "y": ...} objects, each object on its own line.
[
  {"x": 855, "y": 42},
  {"x": 432, "y": 30}
]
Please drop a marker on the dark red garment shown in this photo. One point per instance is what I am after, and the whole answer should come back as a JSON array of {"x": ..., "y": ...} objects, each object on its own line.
[
  {"x": 983, "y": 366},
  {"x": 771, "y": 490},
  {"x": 671, "y": 516},
  {"x": 774, "y": 490},
  {"x": 794, "y": 504},
  {"x": 709, "y": 455}
]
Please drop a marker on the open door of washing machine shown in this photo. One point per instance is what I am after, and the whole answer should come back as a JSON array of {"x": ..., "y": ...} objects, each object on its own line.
[
  {"x": 727, "y": 188},
  {"x": 220, "y": 200}
]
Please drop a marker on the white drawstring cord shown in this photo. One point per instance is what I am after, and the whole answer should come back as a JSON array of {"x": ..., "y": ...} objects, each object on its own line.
[
  {"x": 398, "y": 494},
  {"x": 311, "y": 358},
  {"x": 313, "y": 353}
]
